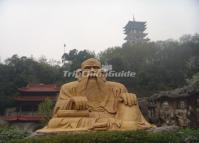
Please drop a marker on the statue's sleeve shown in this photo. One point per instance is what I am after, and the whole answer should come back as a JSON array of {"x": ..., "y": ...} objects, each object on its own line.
[
  {"x": 123, "y": 89},
  {"x": 112, "y": 100},
  {"x": 119, "y": 89},
  {"x": 63, "y": 98}
]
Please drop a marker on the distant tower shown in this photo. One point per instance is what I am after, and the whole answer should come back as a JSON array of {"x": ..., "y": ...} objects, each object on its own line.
[{"x": 134, "y": 31}]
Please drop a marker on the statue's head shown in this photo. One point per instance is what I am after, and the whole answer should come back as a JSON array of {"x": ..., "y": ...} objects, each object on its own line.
[
  {"x": 91, "y": 72},
  {"x": 91, "y": 68},
  {"x": 165, "y": 105},
  {"x": 182, "y": 105},
  {"x": 91, "y": 63}
]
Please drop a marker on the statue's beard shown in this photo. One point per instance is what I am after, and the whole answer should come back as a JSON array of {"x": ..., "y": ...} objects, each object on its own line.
[{"x": 91, "y": 82}]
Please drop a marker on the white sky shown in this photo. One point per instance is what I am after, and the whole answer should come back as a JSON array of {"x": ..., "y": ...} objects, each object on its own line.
[{"x": 41, "y": 27}]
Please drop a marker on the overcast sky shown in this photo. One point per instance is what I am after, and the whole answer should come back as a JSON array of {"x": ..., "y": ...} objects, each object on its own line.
[{"x": 41, "y": 27}]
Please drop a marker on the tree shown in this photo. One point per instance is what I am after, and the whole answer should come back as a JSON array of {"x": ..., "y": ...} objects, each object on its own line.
[
  {"x": 161, "y": 65},
  {"x": 74, "y": 58}
]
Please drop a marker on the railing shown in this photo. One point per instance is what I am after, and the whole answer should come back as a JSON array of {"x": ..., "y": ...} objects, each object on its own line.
[{"x": 22, "y": 117}]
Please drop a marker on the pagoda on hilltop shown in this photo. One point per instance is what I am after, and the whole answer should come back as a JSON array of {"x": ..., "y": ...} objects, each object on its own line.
[{"x": 134, "y": 31}]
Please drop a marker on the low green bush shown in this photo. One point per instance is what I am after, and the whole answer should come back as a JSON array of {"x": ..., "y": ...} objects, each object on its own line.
[
  {"x": 45, "y": 109},
  {"x": 8, "y": 134},
  {"x": 188, "y": 135}
]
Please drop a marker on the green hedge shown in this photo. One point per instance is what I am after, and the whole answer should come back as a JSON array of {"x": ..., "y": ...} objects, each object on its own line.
[
  {"x": 191, "y": 135},
  {"x": 9, "y": 133}
]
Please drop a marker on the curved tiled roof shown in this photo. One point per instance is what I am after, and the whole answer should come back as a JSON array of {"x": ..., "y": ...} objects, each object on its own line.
[
  {"x": 34, "y": 98},
  {"x": 39, "y": 88}
]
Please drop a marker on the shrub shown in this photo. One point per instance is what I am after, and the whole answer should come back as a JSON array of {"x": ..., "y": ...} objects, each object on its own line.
[
  {"x": 118, "y": 137},
  {"x": 45, "y": 110},
  {"x": 9, "y": 133}
]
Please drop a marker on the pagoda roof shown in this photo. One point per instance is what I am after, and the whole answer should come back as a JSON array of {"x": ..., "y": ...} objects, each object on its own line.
[
  {"x": 137, "y": 25},
  {"x": 34, "y": 98},
  {"x": 39, "y": 88}
]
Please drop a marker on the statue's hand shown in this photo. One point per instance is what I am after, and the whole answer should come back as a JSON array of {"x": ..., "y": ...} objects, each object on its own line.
[
  {"x": 129, "y": 99},
  {"x": 78, "y": 103},
  {"x": 106, "y": 124}
]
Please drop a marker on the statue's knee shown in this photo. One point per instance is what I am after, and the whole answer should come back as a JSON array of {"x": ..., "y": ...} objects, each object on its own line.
[
  {"x": 53, "y": 123},
  {"x": 129, "y": 125},
  {"x": 128, "y": 113}
]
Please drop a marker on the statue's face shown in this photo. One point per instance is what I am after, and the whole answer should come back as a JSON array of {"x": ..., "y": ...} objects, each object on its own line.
[
  {"x": 165, "y": 105},
  {"x": 91, "y": 71},
  {"x": 182, "y": 105}
]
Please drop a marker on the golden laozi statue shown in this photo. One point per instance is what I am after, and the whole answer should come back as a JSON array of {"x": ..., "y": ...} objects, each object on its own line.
[{"x": 92, "y": 103}]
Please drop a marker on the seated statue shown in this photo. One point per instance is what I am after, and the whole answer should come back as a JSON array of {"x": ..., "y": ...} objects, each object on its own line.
[
  {"x": 93, "y": 103},
  {"x": 182, "y": 115},
  {"x": 166, "y": 115}
]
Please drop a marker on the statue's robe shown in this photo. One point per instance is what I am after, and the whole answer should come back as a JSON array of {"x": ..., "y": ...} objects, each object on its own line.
[{"x": 104, "y": 106}]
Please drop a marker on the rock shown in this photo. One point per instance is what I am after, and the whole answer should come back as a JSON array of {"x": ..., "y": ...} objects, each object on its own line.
[
  {"x": 164, "y": 129},
  {"x": 29, "y": 127},
  {"x": 34, "y": 134},
  {"x": 3, "y": 123}
]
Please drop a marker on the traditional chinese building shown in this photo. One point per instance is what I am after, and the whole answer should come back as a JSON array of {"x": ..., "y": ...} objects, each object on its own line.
[
  {"x": 134, "y": 31},
  {"x": 27, "y": 102}
]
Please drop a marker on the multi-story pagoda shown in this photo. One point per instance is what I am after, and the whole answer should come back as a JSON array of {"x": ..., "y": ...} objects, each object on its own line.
[
  {"x": 27, "y": 102},
  {"x": 134, "y": 31}
]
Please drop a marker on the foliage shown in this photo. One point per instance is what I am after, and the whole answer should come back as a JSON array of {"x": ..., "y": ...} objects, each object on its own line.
[
  {"x": 118, "y": 137},
  {"x": 161, "y": 65},
  {"x": 45, "y": 109},
  {"x": 74, "y": 58},
  {"x": 7, "y": 134}
]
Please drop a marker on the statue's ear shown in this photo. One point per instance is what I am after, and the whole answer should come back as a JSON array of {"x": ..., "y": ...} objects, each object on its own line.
[{"x": 78, "y": 74}]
